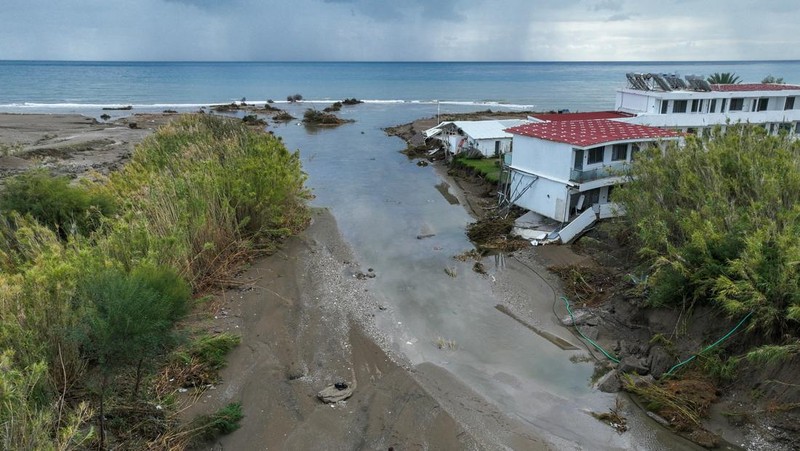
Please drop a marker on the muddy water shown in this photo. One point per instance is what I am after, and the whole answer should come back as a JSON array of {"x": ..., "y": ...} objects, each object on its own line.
[{"x": 437, "y": 310}]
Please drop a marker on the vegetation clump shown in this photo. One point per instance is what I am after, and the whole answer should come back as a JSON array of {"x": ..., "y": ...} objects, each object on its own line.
[
  {"x": 336, "y": 106},
  {"x": 95, "y": 276},
  {"x": 55, "y": 203},
  {"x": 283, "y": 116},
  {"x": 494, "y": 232},
  {"x": 254, "y": 120},
  {"x": 321, "y": 118},
  {"x": 717, "y": 220}
]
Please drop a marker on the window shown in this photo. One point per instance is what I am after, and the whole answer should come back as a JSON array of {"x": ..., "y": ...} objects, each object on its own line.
[
  {"x": 722, "y": 107},
  {"x": 664, "y": 105},
  {"x": 679, "y": 106},
  {"x": 789, "y": 105},
  {"x": 695, "y": 105},
  {"x": 619, "y": 152},
  {"x": 713, "y": 107},
  {"x": 737, "y": 104},
  {"x": 596, "y": 155},
  {"x": 762, "y": 104}
]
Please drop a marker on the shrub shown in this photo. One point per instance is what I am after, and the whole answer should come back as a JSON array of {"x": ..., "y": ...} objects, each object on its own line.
[
  {"x": 202, "y": 192},
  {"x": 717, "y": 219},
  {"x": 55, "y": 203},
  {"x": 316, "y": 117}
]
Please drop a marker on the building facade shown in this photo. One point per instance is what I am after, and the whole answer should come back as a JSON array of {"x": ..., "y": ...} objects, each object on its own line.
[
  {"x": 560, "y": 169},
  {"x": 693, "y": 105}
]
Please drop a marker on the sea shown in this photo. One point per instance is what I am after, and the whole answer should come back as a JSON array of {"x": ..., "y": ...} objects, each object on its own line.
[{"x": 84, "y": 87}]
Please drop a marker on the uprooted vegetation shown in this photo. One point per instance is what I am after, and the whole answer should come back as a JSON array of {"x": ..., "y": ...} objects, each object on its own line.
[
  {"x": 91, "y": 289},
  {"x": 493, "y": 232},
  {"x": 584, "y": 285}
]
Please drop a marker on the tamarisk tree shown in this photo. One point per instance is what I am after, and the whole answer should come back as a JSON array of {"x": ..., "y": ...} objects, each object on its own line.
[{"x": 717, "y": 220}]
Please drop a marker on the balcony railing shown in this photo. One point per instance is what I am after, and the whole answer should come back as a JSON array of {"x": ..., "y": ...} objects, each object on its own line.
[{"x": 607, "y": 170}]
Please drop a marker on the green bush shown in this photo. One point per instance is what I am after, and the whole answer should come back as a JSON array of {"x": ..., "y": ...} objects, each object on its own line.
[
  {"x": 717, "y": 222},
  {"x": 201, "y": 193},
  {"x": 55, "y": 203},
  {"x": 199, "y": 197}
]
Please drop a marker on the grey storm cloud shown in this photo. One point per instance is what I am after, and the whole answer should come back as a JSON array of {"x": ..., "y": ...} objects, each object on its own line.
[
  {"x": 608, "y": 5},
  {"x": 447, "y": 10},
  {"x": 365, "y": 30}
]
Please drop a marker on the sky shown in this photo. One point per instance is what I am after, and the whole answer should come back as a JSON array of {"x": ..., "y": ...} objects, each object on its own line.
[{"x": 400, "y": 30}]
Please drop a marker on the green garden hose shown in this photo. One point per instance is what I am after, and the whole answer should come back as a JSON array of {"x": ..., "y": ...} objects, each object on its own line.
[
  {"x": 599, "y": 348},
  {"x": 668, "y": 373}
]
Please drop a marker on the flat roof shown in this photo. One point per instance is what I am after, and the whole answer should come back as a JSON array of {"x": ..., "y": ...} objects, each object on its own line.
[
  {"x": 551, "y": 117},
  {"x": 592, "y": 132},
  {"x": 490, "y": 129},
  {"x": 741, "y": 87}
]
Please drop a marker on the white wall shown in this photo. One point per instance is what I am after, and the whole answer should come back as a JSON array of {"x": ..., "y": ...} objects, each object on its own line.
[
  {"x": 546, "y": 197},
  {"x": 486, "y": 146},
  {"x": 630, "y": 100},
  {"x": 547, "y": 158},
  {"x": 635, "y": 102}
]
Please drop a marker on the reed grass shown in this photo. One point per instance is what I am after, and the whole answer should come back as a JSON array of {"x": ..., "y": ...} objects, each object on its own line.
[{"x": 198, "y": 198}]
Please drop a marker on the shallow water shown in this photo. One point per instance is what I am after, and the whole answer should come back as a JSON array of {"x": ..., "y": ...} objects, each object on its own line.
[{"x": 382, "y": 202}]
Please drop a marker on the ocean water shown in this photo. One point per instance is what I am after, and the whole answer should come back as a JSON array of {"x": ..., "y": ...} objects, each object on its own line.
[{"x": 58, "y": 86}]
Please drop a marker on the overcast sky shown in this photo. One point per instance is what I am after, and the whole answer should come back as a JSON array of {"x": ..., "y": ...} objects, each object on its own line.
[{"x": 400, "y": 30}]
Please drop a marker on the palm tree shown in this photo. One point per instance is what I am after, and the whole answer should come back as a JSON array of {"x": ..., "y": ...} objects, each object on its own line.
[{"x": 724, "y": 78}]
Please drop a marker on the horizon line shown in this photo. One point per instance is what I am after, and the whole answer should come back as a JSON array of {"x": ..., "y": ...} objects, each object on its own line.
[{"x": 404, "y": 61}]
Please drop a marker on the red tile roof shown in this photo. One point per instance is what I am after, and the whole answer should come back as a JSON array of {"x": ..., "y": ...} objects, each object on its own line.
[
  {"x": 588, "y": 133},
  {"x": 741, "y": 87},
  {"x": 581, "y": 116}
]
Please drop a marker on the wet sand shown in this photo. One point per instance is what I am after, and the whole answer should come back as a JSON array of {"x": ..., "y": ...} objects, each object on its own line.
[
  {"x": 305, "y": 322},
  {"x": 70, "y": 144}
]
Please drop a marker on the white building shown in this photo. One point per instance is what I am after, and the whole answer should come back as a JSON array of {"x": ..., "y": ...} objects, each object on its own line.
[
  {"x": 566, "y": 170},
  {"x": 487, "y": 138},
  {"x": 692, "y": 105}
]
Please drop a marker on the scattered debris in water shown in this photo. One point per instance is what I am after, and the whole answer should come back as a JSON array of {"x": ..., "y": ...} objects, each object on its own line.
[{"x": 613, "y": 417}]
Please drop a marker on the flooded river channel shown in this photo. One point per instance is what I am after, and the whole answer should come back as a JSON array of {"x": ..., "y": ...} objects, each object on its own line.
[{"x": 436, "y": 310}]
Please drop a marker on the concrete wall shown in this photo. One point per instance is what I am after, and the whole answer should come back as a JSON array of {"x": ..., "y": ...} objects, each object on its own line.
[
  {"x": 487, "y": 146},
  {"x": 545, "y": 196},
  {"x": 546, "y": 158}
]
